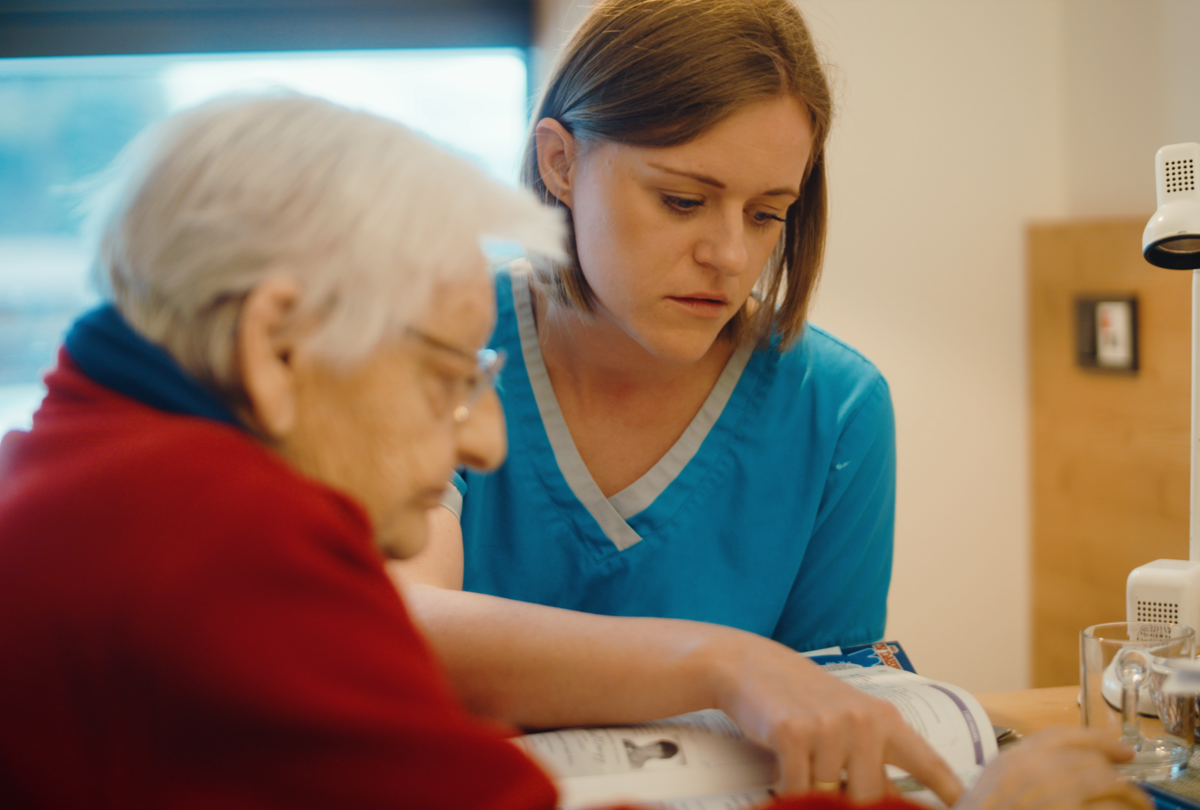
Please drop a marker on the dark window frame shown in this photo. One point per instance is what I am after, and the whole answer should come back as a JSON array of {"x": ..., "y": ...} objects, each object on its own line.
[{"x": 40, "y": 28}]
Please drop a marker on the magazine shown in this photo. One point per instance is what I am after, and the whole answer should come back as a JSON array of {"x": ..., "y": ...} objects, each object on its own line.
[{"x": 702, "y": 761}]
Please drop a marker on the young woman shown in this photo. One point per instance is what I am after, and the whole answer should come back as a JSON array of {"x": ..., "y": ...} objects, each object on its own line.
[{"x": 682, "y": 444}]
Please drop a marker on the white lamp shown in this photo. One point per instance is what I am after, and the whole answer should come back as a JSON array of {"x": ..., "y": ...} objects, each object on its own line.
[
  {"x": 1169, "y": 590},
  {"x": 1172, "y": 236}
]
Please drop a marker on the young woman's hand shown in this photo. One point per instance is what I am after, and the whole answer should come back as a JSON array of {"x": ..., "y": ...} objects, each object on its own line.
[
  {"x": 822, "y": 728},
  {"x": 1058, "y": 768}
]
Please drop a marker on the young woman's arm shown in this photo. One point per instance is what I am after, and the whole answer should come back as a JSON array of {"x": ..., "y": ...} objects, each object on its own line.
[{"x": 538, "y": 667}]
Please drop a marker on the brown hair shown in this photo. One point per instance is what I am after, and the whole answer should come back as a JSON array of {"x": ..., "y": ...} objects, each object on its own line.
[{"x": 662, "y": 72}]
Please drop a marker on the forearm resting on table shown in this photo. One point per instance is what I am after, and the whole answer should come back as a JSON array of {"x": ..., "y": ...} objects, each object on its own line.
[
  {"x": 541, "y": 667},
  {"x": 536, "y": 667}
]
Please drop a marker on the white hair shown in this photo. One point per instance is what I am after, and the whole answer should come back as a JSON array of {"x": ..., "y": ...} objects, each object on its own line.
[{"x": 364, "y": 214}]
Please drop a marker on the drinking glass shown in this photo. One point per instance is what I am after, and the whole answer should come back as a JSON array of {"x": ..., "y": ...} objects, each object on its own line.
[{"x": 1122, "y": 662}]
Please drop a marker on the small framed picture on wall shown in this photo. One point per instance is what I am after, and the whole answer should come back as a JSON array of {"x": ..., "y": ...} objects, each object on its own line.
[{"x": 1106, "y": 333}]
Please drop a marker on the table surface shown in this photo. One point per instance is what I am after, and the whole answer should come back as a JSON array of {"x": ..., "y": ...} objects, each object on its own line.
[{"x": 1032, "y": 709}]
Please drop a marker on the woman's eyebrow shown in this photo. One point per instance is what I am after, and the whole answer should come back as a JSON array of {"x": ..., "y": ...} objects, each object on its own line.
[{"x": 715, "y": 183}]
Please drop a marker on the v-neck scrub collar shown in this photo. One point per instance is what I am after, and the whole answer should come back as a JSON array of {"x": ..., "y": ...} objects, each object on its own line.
[{"x": 612, "y": 514}]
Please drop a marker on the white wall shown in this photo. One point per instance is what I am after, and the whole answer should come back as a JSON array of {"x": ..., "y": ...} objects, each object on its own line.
[
  {"x": 949, "y": 139},
  {"x": 959, "y": 122},
  {"x": 1134, "y": 73}
]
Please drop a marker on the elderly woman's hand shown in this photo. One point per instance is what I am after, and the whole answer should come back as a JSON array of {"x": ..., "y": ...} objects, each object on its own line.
[
  {"x": 1059, "y": 768},
  {"x": 819, "y": 726}
]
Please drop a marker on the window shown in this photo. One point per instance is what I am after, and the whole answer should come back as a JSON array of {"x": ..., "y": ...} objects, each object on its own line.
[{"x": 66, "y": 117}]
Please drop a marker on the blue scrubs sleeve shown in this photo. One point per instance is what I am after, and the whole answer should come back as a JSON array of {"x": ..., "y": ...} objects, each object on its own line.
[{"x": 840, "y": 594}]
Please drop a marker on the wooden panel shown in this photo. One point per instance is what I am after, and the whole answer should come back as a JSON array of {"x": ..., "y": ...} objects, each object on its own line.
[{"x": 1110, "y": 450}]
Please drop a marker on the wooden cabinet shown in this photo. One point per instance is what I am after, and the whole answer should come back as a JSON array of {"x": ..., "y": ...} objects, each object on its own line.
[{"x": 1109, "y": 449}]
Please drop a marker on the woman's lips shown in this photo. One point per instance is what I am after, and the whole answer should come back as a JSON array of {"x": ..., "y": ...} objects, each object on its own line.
[{"x": 699, "y": 305}]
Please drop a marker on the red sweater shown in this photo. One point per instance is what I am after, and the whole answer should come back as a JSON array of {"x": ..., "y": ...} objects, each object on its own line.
[{"x": 186, "y": 622}]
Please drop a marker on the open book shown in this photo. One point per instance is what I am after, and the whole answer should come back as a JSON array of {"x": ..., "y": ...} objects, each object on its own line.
[{"x": 702, "y": 761}]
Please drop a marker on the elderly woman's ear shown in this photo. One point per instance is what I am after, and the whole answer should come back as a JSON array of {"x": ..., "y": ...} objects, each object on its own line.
[{"x": 266, "y": 345}]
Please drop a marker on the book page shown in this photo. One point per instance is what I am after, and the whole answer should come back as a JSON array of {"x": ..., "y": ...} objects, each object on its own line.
[
  {"x": 690, "y": 755},
  {"x": 702, "y": 760},
  {"x": 950, "y": 718}
]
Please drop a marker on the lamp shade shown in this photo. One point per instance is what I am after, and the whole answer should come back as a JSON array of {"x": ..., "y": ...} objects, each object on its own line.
[{"x": 1172, "y": 236}]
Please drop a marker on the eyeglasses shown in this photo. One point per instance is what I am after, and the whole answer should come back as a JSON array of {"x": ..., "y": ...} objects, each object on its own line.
[{"x": 487, "y": 362}]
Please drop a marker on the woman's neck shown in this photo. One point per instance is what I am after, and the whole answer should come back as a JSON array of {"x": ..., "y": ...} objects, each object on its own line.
[
  {"x": 625, "y": 408},
  {"x": 599, "y": 361}
]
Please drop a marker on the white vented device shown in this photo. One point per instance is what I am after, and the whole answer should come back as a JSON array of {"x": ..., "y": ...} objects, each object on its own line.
[
  {"x": 1164, "y": 591},
  {"x": 1169, "y": 590}
]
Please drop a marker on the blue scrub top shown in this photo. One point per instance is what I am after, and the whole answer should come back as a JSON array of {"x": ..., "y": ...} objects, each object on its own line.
[{"x": 773, "y": 512}]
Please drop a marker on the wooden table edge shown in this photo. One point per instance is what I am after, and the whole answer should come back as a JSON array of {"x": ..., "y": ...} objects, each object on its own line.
[{"x": 1028, "y": 710}]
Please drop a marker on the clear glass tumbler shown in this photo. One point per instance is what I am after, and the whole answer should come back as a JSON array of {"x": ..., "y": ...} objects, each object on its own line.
[{"x": 1117, "y": 661}]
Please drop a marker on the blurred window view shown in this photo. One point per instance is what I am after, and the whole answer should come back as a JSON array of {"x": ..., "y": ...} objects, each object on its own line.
[{"x": 63, "y": 120}]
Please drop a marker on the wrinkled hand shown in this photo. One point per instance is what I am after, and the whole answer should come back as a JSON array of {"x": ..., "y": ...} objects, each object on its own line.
[
  {"x": 1057, "y": 768},
  {"x": 819, "y": 727}
]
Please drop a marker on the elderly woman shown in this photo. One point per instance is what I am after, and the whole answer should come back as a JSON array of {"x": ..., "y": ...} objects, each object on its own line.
[
  {"x": 194, "y": 610},
  {"x": 193, "y": 605}
]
